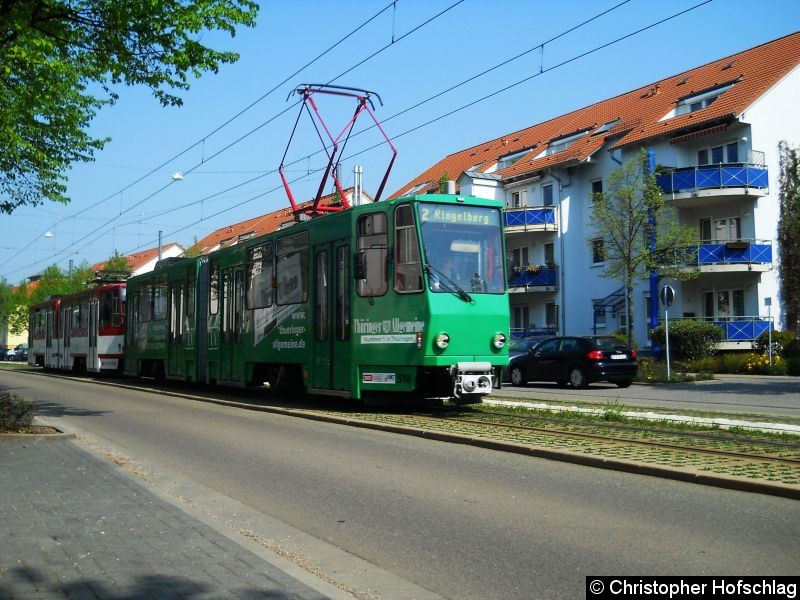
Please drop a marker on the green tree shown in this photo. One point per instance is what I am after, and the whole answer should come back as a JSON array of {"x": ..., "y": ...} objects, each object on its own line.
[
  {"x": 5, "y": 298},
  {"x": 117, "y": 262},
  {"x": 622, "y": 227},
  {"x": 789, "y": 236},
  {"x": 443, "y": 182},
  {"x": 53, "y": 282},
  {"x": 60, "y": 61}
]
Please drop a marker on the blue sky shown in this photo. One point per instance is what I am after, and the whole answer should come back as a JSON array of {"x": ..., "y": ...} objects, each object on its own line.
[{"x": 123, "y": 199}]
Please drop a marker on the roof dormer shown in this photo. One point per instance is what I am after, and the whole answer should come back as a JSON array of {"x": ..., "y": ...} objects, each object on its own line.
[{"x": 697, "y": 101}]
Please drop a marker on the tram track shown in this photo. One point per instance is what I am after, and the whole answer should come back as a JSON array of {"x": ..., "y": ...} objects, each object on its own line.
[{"x": 642, "y": 442}]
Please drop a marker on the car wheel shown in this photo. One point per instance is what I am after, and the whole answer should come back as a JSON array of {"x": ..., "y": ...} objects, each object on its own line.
[
  {"x": 624, "y": 383},
  {"x": 577, "y": 378},
  {"x": 516, "y": 376}
]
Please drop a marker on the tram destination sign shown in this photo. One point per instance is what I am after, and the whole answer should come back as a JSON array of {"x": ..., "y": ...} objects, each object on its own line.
[{"x": 459, "y": 215}]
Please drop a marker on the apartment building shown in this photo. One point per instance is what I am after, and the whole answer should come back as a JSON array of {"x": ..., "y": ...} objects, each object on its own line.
[{"x": 714, "y": 133}]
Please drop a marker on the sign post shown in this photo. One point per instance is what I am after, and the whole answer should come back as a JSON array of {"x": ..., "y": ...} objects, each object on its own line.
[
  {"x": 768, "y": 303},
  {"x": 667, "y": 295}
]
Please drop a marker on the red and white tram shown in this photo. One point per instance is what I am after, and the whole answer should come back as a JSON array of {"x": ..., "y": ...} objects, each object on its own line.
[{"x": 80, "y": 332}]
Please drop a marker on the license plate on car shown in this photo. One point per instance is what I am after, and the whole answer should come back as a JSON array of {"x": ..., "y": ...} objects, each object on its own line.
[{"x": 619, "y": 356}]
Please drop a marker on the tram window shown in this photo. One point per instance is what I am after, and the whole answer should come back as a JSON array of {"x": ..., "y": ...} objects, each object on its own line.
[
  {"x": 159, "y": 302},
  {"x": 133, "y": 317},
  {"x": 145, "y": 304},
  {"x": 227, "y": 292},
  {"x": 260, "y": 274},
  {"x": 408, "y": 270},
  {"x": 190, "y": 283},
  {"x": 291, "y": 269},
  {"x": 106, "y": 309},
  {"x": 321, "y": 297},
  {"x": 213, "y": 290},
  {"x": 373, "y": 250},
  {"x": 118, "y": 307},
  {"x": 343, "y": 293}
]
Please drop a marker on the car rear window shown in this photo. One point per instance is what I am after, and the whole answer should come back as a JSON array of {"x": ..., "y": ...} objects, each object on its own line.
[{"x": 608, "y": 343}]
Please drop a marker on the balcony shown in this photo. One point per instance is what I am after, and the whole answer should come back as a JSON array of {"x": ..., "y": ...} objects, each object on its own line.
[
  {"x": 738, "y": 179},
  {"x": 533, "y": 278},
  {"x": 734, "y": 256},
  {"x": 739, "y": 333},
  {"x": 531, "y": 218}
]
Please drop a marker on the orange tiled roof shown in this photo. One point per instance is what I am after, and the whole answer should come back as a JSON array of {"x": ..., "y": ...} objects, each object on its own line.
[
  {"x": 635, "y": 117},
  {"x": 137, "y": 260},
  {"x": 230, "y": 235}
]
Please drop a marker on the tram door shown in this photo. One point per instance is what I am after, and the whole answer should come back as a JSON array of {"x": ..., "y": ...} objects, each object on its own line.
[
  {"x": 48, "y": 340},
  {"x": 94, "y": 316},
  {"x": 331, "y": 362},
  {"x": 232, "y": 324},
  {"x": 175, "y": 348}
]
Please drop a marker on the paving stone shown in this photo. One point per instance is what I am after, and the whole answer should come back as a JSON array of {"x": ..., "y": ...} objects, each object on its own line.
[{"x": 72, "y": 527}]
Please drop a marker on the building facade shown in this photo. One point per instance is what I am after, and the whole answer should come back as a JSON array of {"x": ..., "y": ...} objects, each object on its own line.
[{"x": 714, "y": 132}]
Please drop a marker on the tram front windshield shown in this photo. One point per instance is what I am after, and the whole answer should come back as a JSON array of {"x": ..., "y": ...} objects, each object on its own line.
[{"x": 463, "y": 248}]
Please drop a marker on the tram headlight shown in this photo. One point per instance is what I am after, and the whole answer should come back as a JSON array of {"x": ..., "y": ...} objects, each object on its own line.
[
  {"x": 442, "y": 340},
  {"x": 499, "y": 340}
]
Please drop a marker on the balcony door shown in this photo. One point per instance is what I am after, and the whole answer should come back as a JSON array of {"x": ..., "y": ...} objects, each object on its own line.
[
  {"x": 723, "y": 305},
  {"x": 720, "y": 230}
]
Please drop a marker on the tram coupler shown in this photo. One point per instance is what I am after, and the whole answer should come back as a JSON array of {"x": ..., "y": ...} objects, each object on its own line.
[{"x": 471, "y": 379}]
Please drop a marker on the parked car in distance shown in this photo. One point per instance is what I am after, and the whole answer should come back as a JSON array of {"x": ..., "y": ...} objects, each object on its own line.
[
  {"x": 574, "y": 360},
  {"x": 3, "y": 353},
  {"x": 21, "y": 353}
]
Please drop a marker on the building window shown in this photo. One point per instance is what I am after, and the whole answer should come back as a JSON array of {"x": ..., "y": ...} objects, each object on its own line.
[
  {"x": 550, "y": 254},
  {"x": 547, "y": 194},
  {"x": 560, "y": 144},
  {"x": 598, "y": 251},
  {"x": 519, "y": 258},
  {"x": 519, "y": 199},
  {"x": 723, "y": 154},
  {"x": 520, "y": 318},
  {"x": 506, "y": 161},
  {"x": 597, "y": 188},
  {"x": 551, "y": 316}
]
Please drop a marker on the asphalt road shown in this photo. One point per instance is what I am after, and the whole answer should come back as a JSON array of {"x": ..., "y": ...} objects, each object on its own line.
[
  {"x": 731, "y": 394},
  {"x": 463, "y": 522}
]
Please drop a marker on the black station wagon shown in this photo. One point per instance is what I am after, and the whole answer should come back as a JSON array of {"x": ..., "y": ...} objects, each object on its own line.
[{"x": 574, "y": 360}]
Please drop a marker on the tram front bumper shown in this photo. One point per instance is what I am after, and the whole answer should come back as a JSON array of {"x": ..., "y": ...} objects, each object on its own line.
[{"x": 471, "y": 378}]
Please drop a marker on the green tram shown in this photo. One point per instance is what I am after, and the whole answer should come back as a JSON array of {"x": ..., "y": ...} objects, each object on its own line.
[{"x": 404, "y": 296}]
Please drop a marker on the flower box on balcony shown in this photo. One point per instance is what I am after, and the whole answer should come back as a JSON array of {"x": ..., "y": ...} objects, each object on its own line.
[{"x": 737, "y": 245}]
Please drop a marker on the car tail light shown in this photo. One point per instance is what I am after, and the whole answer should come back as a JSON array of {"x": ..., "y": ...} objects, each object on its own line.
[
  {"x": 633, "y": 353},
  {"x": 595, "y": 355}
]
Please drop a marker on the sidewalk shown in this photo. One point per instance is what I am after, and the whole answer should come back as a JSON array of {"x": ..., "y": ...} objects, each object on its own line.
[{"x": 73, "y": 526}]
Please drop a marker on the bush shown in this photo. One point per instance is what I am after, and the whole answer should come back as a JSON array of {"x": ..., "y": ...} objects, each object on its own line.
[
  {"x": 688, "y": 339},
  {"x": 780, "y": 341},
  {"x": 655, "y": 371},
  {"x": 742, "y": 363},
  {"x": 15, "y": 412}
]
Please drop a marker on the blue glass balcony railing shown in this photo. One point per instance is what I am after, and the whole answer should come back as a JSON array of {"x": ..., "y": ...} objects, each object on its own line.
[
  {"x": 707, "y": 177},
  {"x": 738, "y": 329},
  {"x": 745, "y": 330},
  {"x": 732, "y": 253},
  {"x": 533, "y": 276},
  {"x": 531, "y": 217}
]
